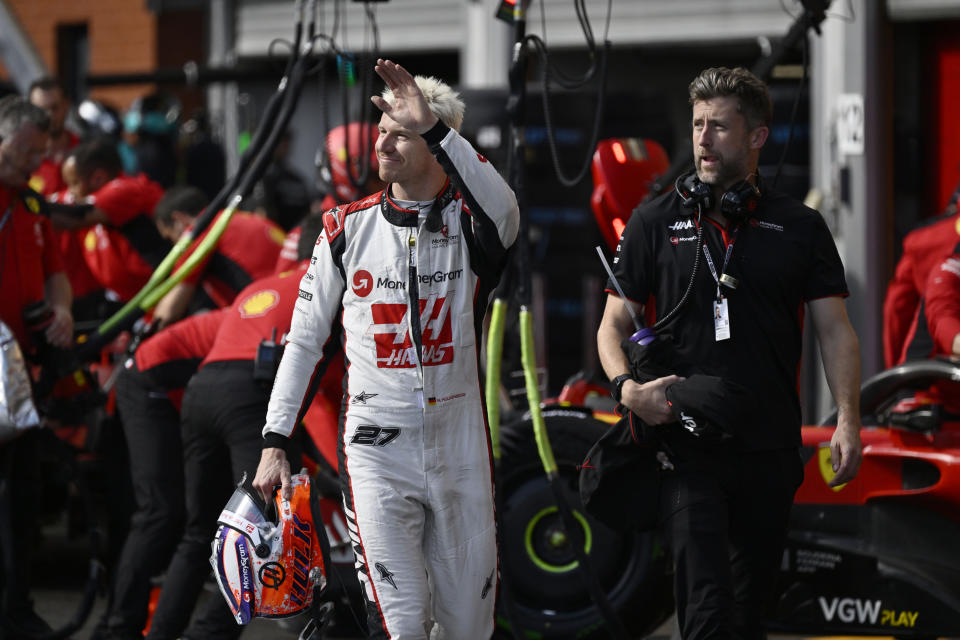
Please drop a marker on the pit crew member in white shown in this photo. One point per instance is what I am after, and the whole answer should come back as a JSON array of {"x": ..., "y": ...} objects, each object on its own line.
[{"x": 405, "y": 276}]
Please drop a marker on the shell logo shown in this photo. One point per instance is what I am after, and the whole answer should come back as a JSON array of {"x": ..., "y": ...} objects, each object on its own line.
[
  {"x": 90, "y": 240},
  {"x": 826, "y": 466},
  {"x": 257, "y": 304},
  {"x": 32, "y": 203},
  {"x": 276, "y": 234}
]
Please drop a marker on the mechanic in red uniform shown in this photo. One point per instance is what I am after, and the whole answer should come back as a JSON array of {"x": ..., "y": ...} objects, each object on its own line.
[
  {"x": 223, "y": 411},
  {"x": 246, "y": 251},
  {"x": 343, "y": 142},
  {"x": 942, "y": 299},
  {"x": 89, "y": 301},
  {"x": 941, "y": 315},
  {"x": 905, "y": 335},
  {"x": 122, "y": 246},
  {"x": 149, "y": 395},
  {"x": 30, "y": 273},
  {"x": 48, "y": 94}
]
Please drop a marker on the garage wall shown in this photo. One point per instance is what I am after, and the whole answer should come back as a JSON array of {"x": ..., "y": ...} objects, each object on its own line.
[
  {"x": 922, "y": 9},
  {"x": 424, "y": 25}
]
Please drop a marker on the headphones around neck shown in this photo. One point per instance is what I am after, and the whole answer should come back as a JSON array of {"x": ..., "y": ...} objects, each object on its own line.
[{"x": 738, "y": 203}]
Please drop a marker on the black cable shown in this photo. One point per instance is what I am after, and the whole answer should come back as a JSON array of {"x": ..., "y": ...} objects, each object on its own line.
[
  {"x": 366, "y": 144},
  {"x": 552, "y": 73},
  {"x": 793, "y": 113},
  {"x": 320, "y": 161},
  {"x": 615, "y": 626},
  {"x": 362, "y": 66},
  {"x": 290, "y": 99},
  {"x": 273, "y": 57},
  {"x": 522, "y": 272},
  {"x": 693, "y": 275},
  {"x": 276, "y": 117},
  {"x": 366, "y": 72},
  {"x": 761, "y": 68},
  {"x": 557, "y": 73},
  {"x": 594, "y": 134}
]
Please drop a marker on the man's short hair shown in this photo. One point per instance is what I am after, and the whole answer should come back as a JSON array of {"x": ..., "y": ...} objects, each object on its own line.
[
  {"x": 189, "y": 200},
  {"x": 444, "y": 102},
  {"x": 46, "y": 83},
  {"x": 16, "y": 112},
  {"x": 97, "y": 153},
  {"x": 753, "y": 97},
  {"x": 310, "y": 230}
]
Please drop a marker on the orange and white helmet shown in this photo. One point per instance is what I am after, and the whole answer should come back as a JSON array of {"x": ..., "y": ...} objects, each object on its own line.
[
  {"x": 266, "y": 568},
  {"x": 352, "y": 141}
]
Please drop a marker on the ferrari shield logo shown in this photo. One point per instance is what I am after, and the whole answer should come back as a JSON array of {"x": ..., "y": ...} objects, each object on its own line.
[{"x": 826, "y": 466}]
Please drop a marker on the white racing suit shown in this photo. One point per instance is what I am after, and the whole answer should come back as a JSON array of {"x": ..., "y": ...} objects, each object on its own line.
[{"x": 408, "y": 291}]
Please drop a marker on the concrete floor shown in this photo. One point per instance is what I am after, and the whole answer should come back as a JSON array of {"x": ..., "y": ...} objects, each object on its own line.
[
  {"x": 60, "y": 570},
  {"x": 61, "y": 567}
]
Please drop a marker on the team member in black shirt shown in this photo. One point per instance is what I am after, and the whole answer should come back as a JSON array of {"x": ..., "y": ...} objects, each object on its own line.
[{"x": 762, "y": 257}]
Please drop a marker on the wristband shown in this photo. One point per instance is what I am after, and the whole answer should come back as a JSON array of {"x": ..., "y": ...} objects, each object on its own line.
[{"x": 616, "y": 389}]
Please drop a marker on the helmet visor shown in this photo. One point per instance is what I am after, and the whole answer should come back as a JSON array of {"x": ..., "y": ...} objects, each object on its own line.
[{"x": 244, "y": 505}]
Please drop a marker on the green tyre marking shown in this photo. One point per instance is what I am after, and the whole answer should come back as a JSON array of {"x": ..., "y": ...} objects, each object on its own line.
[{"x": 539, "y": 562}]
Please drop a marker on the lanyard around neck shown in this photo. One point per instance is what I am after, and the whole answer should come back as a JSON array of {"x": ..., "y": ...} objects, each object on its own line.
[{"x": 726, "y": 260}]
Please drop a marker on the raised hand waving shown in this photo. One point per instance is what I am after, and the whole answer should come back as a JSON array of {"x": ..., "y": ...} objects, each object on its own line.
[{"x": 409, "y": 108}]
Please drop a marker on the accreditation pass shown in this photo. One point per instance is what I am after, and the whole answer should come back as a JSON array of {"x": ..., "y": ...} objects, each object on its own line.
[{"x": 721, "y": 319}]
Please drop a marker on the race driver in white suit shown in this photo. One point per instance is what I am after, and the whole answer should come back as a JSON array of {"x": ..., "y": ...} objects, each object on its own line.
[{"x": 402, "y": 280}]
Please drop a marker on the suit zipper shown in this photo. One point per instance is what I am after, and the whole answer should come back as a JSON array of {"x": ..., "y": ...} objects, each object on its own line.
[{"x": 414, "y": 310}]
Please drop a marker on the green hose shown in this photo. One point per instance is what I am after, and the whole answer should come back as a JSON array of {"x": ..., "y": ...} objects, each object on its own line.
[
  {"x": 159, "y": 284},
  {"x": 156, "y": 278},
  {"x": 528, "y": 359},
  {"x": 206, "y": 246},
  {"x": 494, "y": 359}
]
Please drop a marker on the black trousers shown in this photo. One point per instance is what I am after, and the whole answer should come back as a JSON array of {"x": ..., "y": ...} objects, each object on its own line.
[
  {"x": 724, "y": 515},
  {"x": 151, "y": 425},
  {"x": 223, "y": 415},
  {"x": 19, "y": 521}
]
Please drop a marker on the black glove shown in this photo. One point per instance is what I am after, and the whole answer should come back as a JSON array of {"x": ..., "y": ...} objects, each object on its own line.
[
  {"x": 77, "y": 211},
  {"x": 653, "y": 360}
]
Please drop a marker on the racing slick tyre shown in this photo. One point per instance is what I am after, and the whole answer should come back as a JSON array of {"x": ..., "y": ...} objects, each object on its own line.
[{"x": 544, "y": 593}]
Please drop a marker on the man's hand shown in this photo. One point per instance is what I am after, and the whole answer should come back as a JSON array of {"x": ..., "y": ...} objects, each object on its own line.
[
  {"x": 648, "y": 401},
  {"x": 409, "y": 108},
  {"x": 60, "y": 331},
  {"x": 846, "y": 451},
  {"x": 273, "y": 468}
]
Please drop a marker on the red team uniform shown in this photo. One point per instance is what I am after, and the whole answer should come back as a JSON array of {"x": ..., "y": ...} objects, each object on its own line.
[
  {"x": 28, "y": 256},
  {"x": 122, "y": 256},
  {"x": 246, "y": 251},
  {"x": 904, "y": 317},
  {"x": 223, "y": 411}
]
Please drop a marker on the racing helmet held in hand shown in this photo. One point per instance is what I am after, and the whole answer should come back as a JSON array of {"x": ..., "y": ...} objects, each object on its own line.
[{"x": 269, "y": 568}]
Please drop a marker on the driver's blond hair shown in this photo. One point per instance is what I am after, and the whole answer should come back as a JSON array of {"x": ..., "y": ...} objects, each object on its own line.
[{"x": 444, "y": 102}]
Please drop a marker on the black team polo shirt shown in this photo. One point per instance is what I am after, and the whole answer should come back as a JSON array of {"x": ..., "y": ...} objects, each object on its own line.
[{"x": 783, "y": 257}]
